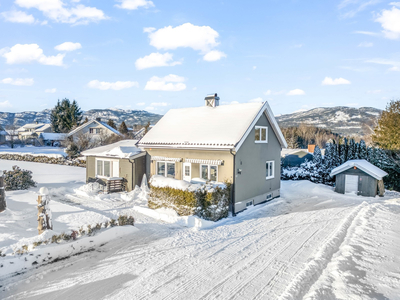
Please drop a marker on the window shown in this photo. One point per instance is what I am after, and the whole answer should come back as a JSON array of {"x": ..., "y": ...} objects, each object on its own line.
[
  {"x": 95, "y": 130},
  {"x": 209, "y": 173},
  {"x": 105, "y": 168},
  {"x": 270, "y": 169},
  {"x": 166, "y": 169},
  {"x": 187, "y": 170},
  {"x": 261, "y": 134}
]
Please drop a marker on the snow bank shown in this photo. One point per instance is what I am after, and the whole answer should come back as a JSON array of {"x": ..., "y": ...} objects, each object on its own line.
[
  {"x": 170, "y": 216},
  {"x": 51, "y": 152},
  {"x": 48, "y": 253},
  {"x": 195, "y": 184}
]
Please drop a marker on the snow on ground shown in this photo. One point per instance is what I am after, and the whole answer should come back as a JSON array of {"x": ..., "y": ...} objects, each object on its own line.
[
  {"x": 53, "y": 152},
  {"x": 311, "y": 243}
]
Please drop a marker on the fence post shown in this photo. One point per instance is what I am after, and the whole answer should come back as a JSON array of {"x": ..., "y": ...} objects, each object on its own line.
[
  {"x": 3, "y": 203},
  {"x": 44, "y": 213}
]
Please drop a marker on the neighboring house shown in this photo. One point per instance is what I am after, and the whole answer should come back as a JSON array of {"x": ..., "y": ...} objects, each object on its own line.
[
  {"x": 51, "y": 138},
  {"x": 3, "y": 136},
  {"x": 118, "y": 166},
  {"x": 95, "y": 129},
  {"x": 295, "y": 157},
  {"x": 138, "y": 135},
  {"x": 30, "y": 132},
  {"x": 240, "y": 144},
  {"x": 359, "y": 177}
]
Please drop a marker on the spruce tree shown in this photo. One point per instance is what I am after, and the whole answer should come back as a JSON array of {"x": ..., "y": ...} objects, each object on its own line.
[
  {"x": 343, "y": 151},
  {"x": 387, "y": 133},
  {"x": 317, "y": 159},
  {"x": 111, "y": 123},
  {"x": 362, "y": 150},
  {"x": 123, "y": 128},
  {"x": 65, "y": 116},
  {"x": 351, "y": 150}
]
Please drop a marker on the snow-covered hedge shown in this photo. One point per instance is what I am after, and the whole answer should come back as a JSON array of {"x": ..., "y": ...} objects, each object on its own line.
[
  {"x": 18, "y": 179},
  {"x": 208, "y": 201},
  {"x": 44, "y": 159}
]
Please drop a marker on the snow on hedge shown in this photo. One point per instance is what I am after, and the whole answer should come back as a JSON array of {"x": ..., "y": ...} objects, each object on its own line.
[{"x": 195, "y": 185}]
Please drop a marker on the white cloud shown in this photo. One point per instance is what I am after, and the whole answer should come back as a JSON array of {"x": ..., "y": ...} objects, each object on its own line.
[
  {"x": 390, "y": 22},
  {"x": 395, "y": 4},
  {"x": 16, "y": 16},
  {"x": 356, "y": 6},
  {"x": 336, "y": 81},
  {"x": 395, "y": 65},
  {"x": 170, "y": 83},
  {"x": 156, "y": 60},
  {"x": 5, "y": 104},
  {"x": 18, "y": 81},
  {"x": 149, "y": 29},
  {"x": 149, "y": 108},
  {"x": 159, "y": 104},
  {"x": 57, "y": 11},
  {"x": 374, "y": 92},
  {"x": 366, "y": 33},
  {"x": 201, "y": 38},
  {"x": 134, "y": 4},
  {"x": 365, "y": 44},
  {"x": 295, "y": 92},
  {"x": 28, "y": 53},
  {"x": 258, "y": 99},
  {"x": 254, "y": 67},
  {"x": 298, "y": 45},
  {"x": 51, "y": 91},
  {"x": 268, "y": 92},
  {"x": 118, "y": 85},
  {"x": 141, "y": 104},
  {"x": 68, "y": 46},
  {"x": 214, "y": 55}
]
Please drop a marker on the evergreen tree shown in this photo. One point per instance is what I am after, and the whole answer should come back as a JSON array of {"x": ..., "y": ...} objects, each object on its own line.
[
  {"x": 387, "y": 133},
  {"x": 65, "y": 116},
  {"x": 335, "y": 154},
  {"x": 362, "y": 151},
  {"x": 85, "y": 121},
  {"x": 111, "y": 123},
  {"x": 147, "y": 128},
  {"x": 317, "y": 159},
  {"x": 343, "y": 151},
  {"x": 351, "y": 150},
  {"x": 123, "y": 128}
]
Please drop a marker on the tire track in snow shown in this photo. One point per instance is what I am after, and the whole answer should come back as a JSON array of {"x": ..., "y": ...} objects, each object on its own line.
[
  {"x": 203, "y": 274},
  {"x": 314, "y": 268},
  {"x": 248, "y": 273}
]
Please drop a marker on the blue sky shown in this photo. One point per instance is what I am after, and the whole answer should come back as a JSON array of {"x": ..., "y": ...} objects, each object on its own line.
[{"x": 157, "y": 55}]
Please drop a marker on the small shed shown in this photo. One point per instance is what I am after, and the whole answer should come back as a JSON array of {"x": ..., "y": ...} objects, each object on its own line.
[
  {"x": 118, "y": 167},
  {"x": 359, "y": 177}
]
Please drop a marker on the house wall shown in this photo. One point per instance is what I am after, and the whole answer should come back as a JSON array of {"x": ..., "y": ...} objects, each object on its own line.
[
  {"x": 86, "y": 130},
  {"x": 367, "y": 185},
  {"x": 225, "y": 171},
  {"x": 125, "y": 170},
  {"x": 251, "y": 184}
]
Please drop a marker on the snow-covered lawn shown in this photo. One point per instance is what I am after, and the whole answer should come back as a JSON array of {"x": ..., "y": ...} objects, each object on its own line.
[
  {"x": 53, "y": 152},
  {"x": 311, "y": 243}
]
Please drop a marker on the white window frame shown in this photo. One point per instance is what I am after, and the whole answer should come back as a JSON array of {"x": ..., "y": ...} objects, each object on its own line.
[
  {"x": 209, "y": 169},
  {"x": 111, "y": 167},
  {"x": 266, "y": 134},
  {"x": 166, "y": 169},
  {"x": 273, "y": 169},
  {"x": 95, "y": 129}
]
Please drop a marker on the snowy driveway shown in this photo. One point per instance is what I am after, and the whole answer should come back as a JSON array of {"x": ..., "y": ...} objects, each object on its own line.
[{"x": 311, "y": 243}]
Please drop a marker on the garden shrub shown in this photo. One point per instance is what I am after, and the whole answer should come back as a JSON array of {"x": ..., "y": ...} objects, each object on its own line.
[
  {"x": 18, "y": 179},
  {"x": 209, "y": 204}
]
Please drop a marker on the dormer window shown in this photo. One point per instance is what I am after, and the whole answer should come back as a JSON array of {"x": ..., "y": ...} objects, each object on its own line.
[{"x": 261, "y": 134}]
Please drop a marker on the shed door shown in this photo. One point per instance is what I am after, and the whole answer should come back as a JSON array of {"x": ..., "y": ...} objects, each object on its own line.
[
  {"x": 351, "y": 185},
  {"x": 115, "y": 169}
]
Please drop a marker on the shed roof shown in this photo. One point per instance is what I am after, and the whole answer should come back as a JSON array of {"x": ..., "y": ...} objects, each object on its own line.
[
  {"x": 363, "y": 165},
  {"x": 52, "y": 136},
  {"x": 97, "y": 122},
  {"x": 121, "y": 149},
  {"x": 222, "y": 127}
]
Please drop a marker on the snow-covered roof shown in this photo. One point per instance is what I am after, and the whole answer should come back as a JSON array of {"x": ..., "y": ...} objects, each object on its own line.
[
  {"x": 121, "y": 149},
  {"x": 3, "y": 132},
  {"x": 31, "y": 126},
  {"x": 44, "y": 127},
  {"x": 363, "y": 165},
  {"x": 77, "y": 129},
  {"x": 52, "y": 136},
  {"x": 223, "y": 127}
]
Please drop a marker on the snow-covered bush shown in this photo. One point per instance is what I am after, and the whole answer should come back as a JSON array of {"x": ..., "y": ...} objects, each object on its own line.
[
  {"x": 208, "y": 201},
  {"x": 72, "y": 150},
  {"x": 18, "y": 179}
]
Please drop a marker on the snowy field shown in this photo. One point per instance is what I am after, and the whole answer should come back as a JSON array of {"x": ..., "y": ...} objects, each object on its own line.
[
  {"x": 53, "y": 152},
  {"x": 311, "y": 243}
]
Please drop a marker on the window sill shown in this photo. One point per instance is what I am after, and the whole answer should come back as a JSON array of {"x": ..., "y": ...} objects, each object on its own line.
[
  {"x": 272, "y": 177},
  {"x": 261, "y": 142}
]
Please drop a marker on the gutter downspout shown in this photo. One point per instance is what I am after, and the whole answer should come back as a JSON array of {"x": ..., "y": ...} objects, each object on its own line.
[
  {"x": 133, "y": 168},
  {"x": 233, "y": 183}
]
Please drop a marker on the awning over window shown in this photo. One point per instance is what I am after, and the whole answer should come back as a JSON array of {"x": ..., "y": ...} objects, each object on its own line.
[
  {"x": 162, "y": 158},
  {"x": 217, "y": 162}
]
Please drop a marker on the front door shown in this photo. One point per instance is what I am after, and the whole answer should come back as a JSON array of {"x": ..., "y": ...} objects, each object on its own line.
[
  {"x": 187, "y": 172},
  {"x": 351, "y": 184}
]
